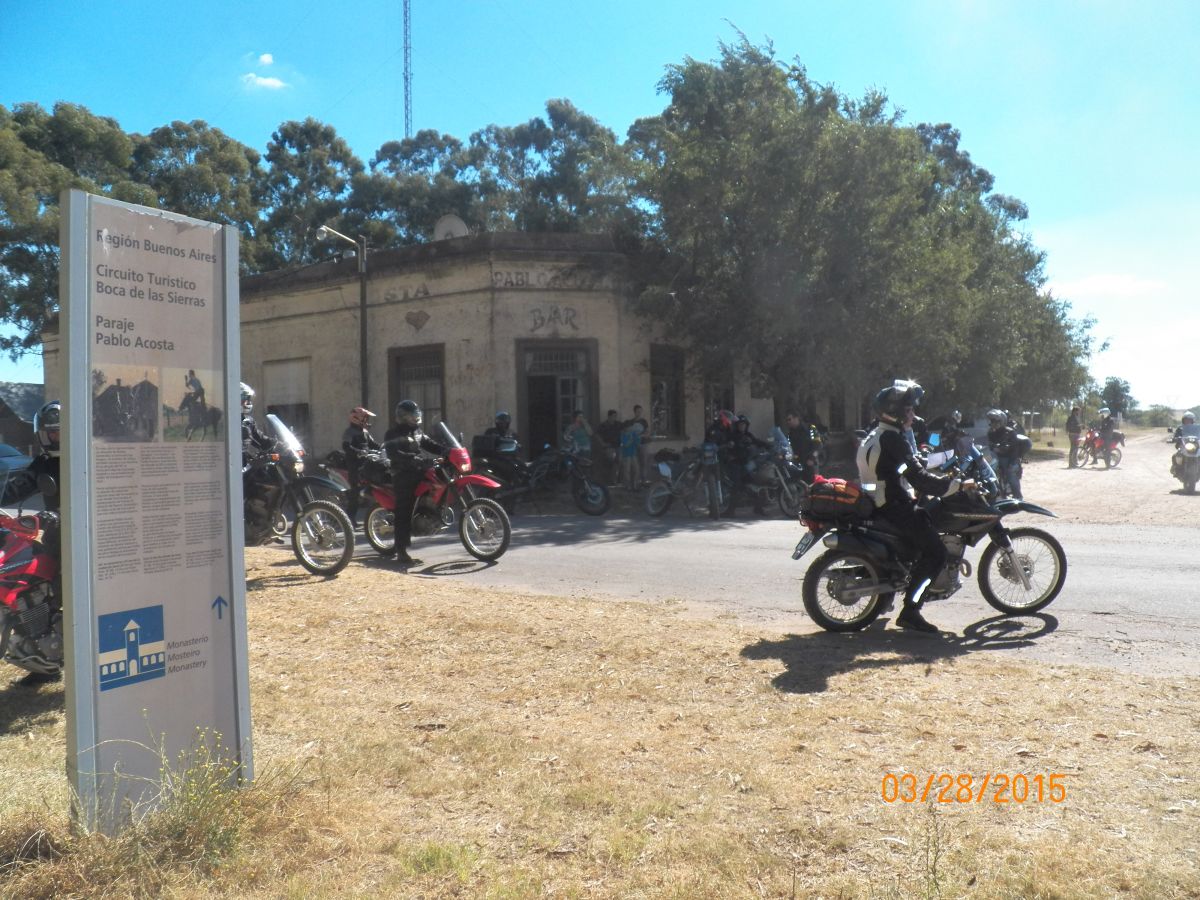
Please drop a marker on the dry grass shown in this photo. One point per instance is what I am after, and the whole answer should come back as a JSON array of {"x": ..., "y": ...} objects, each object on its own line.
[{"x": 454, "y": 742}]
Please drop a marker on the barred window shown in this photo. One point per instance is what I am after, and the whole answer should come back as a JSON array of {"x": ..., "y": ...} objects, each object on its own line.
[{"x": 418, "y": 374}]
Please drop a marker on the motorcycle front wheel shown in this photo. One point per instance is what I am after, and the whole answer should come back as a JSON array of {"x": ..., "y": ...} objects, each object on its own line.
[
  {"x": 484, "y": 529},
  {"x": 659, "y": 499},
  {"x": 323, "y": 537},
  {"x": 835, "y": 572},
  {"x": 790, "y": 495},
  {"x": 380, "y": 529},
  {"x": 590, "y": 497},
  {"x": 1040, "y": 557}
]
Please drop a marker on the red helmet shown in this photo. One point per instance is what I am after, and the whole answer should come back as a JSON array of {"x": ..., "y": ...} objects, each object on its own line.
[
  {"x": 361, "y": 417},
  {"x": 725, "y": 418}
]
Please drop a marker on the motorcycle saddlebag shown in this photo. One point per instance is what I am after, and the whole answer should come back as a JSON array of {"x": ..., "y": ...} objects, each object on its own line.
[{"x": 835, "y": 499}]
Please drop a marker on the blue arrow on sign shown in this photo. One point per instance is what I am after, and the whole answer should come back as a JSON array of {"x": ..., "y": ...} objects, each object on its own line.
[{"x": 219, "y": 605}]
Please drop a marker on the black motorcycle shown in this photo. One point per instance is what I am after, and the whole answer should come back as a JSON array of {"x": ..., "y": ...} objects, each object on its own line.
[
  {"x": 274, "y": 483},
  {"x": 499, "y": 459},
  {"x": 868, "y": 560}
]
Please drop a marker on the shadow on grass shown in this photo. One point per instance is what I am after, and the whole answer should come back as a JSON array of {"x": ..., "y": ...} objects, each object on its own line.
[
  {"x": 811, "y": 660},
  {"x": 23, "y": 708}
]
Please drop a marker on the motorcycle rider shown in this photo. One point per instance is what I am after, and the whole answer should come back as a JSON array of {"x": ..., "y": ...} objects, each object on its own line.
[
  {"x": 357, "y": 441},
  {"x": 503, "y": 426},
  {"x": 404, "y": 442},
  {"x": 254, "y": 442},
  {"x": 890, "y": 470},
  {"x": 1002, "y": 438},
  {"x": 1188, "y": 424},
  {"x": 742, "y": 451}
]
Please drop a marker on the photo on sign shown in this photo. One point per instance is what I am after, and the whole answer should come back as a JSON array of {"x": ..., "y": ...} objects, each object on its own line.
[
  {"x": 188, "y": 414},
  {"x": 125, "y": 404}
]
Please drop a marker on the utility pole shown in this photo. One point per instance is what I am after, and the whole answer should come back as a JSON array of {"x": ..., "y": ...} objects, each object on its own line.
[{"x": 407, "y": 69}]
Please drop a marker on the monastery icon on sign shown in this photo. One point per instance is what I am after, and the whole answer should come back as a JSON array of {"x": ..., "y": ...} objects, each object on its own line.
[{"x": 132, "y": 647}]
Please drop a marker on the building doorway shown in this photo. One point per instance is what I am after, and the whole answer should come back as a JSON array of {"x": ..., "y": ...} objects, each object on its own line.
[{"x": 555, "y": 379}]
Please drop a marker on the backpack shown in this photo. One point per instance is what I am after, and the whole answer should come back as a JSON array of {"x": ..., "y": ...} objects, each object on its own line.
[
  {"x": 835, "y": 499},
  {"x": 1022, "y": 444}
]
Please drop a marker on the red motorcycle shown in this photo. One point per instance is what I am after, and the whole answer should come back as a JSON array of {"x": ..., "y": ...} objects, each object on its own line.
[
  {"x": 1096, "y": 449},
  {"x": 446, "y": 493},
  {"x": 31, "y": 620}
]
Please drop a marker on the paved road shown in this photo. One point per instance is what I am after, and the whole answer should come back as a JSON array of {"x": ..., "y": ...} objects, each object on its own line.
[{"x": 1130, "y": 601}]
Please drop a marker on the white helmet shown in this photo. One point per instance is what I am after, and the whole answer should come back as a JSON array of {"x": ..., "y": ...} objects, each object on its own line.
[
  {"x": 1105, "y": 411},
  {"x": 247, "y": 399}
]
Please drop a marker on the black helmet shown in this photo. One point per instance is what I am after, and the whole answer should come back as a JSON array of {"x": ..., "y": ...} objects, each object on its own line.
[
  {"x": 47, "y": 423},
  {"x": 408, "y": 413},
  {"x": 1189, "y": 418},
  {"x": 503, "y": 418},
  {"x": 897, "y": 396},
  {"x": 743, "y": 420},
  {"x": 997, "y": 416}
]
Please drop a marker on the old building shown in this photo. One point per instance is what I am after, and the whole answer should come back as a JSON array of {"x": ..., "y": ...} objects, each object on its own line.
[{"x": 537, "y": 325}]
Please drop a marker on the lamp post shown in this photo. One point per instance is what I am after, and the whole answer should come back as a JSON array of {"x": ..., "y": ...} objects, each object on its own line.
[{"x": 361, "y": 247}]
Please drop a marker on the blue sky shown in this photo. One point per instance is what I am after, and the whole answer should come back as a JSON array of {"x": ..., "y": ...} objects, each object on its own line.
[{"x": 1087, "y": 110}]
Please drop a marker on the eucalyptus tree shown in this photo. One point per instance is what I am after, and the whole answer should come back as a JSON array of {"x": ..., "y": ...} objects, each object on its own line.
[
  {"x": 197, "y": 170},
  {"x": 307, "y": 184}
]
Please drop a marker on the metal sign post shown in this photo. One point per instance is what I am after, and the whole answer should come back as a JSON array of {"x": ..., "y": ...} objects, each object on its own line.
[{"x": 154, "y": 583}]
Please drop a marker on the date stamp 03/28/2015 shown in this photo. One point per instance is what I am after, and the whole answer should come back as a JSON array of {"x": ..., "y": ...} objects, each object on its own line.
[{"x": 995, "y": 787}]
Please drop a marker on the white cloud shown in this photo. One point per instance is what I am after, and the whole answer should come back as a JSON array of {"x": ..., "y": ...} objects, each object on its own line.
[
  {"x": 266, "y": 59},
  {"x": 257, "y": 82}
]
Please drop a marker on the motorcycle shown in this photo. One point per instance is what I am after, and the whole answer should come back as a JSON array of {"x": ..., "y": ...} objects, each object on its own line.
[
  {"x": 498, "y": 458},
  {"x": 775, "y": 478},
  {"x": 448, "y": 487},
  {"x": 867, "y": 561},
  {"x": 681, "y": 476},
  {"x": 31, "y": 606},
  {"x": 1097, "y": 449},
  {"x": 273, "y": 483},
  {"x": 1185, "y": 463}
]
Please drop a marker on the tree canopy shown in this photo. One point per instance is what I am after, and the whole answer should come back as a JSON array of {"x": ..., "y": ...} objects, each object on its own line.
[{"x": 772, "y": 223}]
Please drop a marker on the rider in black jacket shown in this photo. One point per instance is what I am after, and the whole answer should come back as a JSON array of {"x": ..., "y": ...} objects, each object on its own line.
[
  {"x": 254, "y": 442},
  {"x": 889, "y": 470},
  {"x": 404, "y": 443},
  {"x": 356, "y": 442}
]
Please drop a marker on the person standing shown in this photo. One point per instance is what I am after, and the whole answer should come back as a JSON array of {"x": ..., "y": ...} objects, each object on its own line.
[
  {"x": 404, "y": 443},
  {"x": 1074, "y": 436},
  {"x": 642, "y": 441},
  {"x": 800, "y": 437},
  {"x": 578, "y": 436},
  {"x": 631, "y": 436},
  {"x": 608, "y": 434}
]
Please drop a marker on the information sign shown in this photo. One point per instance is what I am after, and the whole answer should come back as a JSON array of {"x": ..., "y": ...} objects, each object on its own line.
[{"x": 154, "y": 579}]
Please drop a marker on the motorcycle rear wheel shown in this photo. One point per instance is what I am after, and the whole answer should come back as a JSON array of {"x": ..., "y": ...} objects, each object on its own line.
[
  {"x": 659, "y": 499},
  {"x": 484, "y": 529},
  {"x": 323, "y": 538},
  {"x": 834, "y": 571},
  {"x": 380, "y": 529},
  {"x": 591, "y": 497},
  {"x": 1044, "y": 562},
  {"x": 1113, "y": 458}
]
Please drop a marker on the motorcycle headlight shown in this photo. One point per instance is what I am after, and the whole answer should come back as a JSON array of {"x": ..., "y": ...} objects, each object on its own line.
[
  {"x": 1190, "y": 446},
  {"x": 299, "y": 466}
]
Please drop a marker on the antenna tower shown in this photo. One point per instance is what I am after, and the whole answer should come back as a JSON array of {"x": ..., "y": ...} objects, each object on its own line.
[{"x": 407, "y": 69}]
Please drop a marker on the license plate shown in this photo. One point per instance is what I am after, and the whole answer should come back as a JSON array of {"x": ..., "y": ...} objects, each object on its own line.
[{"x": 806, "y": 542}]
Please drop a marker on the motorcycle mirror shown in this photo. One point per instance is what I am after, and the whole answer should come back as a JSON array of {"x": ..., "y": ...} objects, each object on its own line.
[{"x": 47, "y": 485}]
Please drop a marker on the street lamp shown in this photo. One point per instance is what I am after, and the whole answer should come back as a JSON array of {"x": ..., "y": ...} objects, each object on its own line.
[{"x": 361, "y": 246}]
